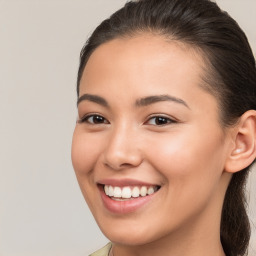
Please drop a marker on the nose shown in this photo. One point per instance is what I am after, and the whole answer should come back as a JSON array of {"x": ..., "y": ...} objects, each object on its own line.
[{"x": 122, "y": 149}]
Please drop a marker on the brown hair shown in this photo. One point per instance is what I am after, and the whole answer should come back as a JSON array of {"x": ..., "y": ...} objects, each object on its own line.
[{"x": 231, "y": 76}]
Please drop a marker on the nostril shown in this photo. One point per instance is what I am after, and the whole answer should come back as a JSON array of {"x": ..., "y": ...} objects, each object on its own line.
[
  {"x": 120, "y": 162},
  {"x": 116, "y": 166}
]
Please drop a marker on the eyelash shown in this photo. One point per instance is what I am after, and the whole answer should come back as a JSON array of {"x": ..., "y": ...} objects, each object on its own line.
[
  {"x": 86, "y": 118},
  {"x": 165, "y": 120},
  {"x": 161, "y": 118}
]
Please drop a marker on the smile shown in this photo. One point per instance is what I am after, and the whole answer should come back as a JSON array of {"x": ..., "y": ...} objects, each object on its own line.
[
  {"x": 123, "y": 198},
  {"x": 129, "y": 192}
]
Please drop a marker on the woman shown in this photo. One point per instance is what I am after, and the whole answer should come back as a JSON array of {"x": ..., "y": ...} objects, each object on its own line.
[{"x": 166, "y": 129}]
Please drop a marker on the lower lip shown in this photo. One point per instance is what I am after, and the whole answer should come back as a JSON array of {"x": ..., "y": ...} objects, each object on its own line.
[{"x": 123, "y": 207}]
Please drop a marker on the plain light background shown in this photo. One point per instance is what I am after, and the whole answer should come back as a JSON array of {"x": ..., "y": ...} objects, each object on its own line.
[{"x": 42, "y": 211}]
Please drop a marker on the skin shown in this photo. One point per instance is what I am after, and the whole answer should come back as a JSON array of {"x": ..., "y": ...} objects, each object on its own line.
[{"x": 186, "y": 156}]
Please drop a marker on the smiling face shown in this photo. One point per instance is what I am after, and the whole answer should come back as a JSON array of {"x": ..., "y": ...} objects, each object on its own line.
[{"x": 149, "y": 135}]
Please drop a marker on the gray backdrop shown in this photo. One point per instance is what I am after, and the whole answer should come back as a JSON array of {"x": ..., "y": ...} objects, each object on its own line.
[{"x": 42, "y": 211}]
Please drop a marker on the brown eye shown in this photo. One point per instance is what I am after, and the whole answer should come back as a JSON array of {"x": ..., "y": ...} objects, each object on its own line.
[
  {"x": 160, "y": 120},
  {"x": 94, "y": 119}
]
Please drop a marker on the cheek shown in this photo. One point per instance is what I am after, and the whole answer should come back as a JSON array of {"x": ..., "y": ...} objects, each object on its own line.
[
  {"x": 188, "y": 159},
  {"x": 191, "y": 167},
  {"x": 85, "y": 152}
]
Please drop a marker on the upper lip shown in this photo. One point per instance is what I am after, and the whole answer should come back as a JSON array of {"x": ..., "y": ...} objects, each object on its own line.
[{"x": 125, "y": 182}]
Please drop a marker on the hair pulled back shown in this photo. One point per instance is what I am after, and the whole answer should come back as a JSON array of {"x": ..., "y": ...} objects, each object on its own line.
[{"x": 230, "y": 76}]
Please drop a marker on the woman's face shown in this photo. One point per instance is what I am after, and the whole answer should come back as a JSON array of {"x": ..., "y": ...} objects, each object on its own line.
[{"x": 149, "y": 135}]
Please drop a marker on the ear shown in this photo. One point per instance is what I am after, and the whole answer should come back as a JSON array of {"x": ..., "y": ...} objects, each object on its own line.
[{"x": 243, "y": 153}]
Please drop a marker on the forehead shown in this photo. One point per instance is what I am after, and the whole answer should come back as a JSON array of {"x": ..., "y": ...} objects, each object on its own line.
[
  {"x": 143, "y": 59},
  {"x": 145, "y": 47}
]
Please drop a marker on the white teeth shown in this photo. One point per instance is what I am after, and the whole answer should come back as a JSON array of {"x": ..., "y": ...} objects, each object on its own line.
[
  {"x": 106, "y": 189},
  {"x": 135, "y": 192},
  {"x": 117, "y": 192},
  {"x": 151, "y": 190},
  {"x": 110, "y": 191},
  {"x": 128, "y": 192},
  {"x": 143, "y": 191}
]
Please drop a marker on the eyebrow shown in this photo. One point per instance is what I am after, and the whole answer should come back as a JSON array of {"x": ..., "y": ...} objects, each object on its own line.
[
  {"x": 93, "y": 98},
  {"x": 158, "y": 98},
  {"x": 139, "y": 103}
]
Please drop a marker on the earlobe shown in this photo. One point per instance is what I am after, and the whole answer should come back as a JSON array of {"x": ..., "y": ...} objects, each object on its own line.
[{"x": 244, "y": 152}]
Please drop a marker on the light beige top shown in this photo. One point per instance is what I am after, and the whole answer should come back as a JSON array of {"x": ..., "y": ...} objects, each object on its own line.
[{"x": 103, "y": 251}]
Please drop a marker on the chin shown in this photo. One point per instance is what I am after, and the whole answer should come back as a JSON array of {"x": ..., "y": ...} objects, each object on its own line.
[
  {"x": 129, "y": 234},
  {"x": 129, "y": 239}
]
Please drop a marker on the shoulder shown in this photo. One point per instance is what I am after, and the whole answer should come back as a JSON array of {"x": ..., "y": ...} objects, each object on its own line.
[{"x": 103, "y": 251}]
